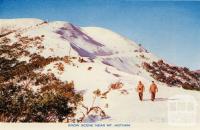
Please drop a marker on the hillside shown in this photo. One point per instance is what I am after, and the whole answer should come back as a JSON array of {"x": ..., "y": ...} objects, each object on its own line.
[{"x": 97, "y": 68}]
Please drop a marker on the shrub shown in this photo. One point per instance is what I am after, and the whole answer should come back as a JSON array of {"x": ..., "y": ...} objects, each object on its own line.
[
  {"x": 116, "y": 85},
  {"x": 54, "y": 101},
  {"x": 172, "y": 75},
  {"x": 20, "y": 104}
]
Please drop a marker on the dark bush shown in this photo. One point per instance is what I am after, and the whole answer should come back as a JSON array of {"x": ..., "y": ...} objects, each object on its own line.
[
  {"x": 55, "y": 101},
  {"x": 20, "y": 104},
  {"x": 173, "y": 75}
]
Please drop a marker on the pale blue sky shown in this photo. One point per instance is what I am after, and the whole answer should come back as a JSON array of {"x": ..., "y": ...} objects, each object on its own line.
[{"x": 170, "y": 30}]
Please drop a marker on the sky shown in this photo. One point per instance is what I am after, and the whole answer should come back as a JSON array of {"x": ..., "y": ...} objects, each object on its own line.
[{"x": 170, "y": 30}]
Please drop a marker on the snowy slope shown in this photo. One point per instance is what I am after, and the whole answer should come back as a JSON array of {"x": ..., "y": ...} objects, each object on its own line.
[
  {"x": 19, "y": 23},
  {"x": 12, "y": 25},
  {"x": 127, "y": 54},
  {"x": 110, "y": 39},
  {"x": 111, "y": 57}
]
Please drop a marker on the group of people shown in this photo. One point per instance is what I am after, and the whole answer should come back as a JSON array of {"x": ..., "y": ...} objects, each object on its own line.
[{"x": 153, "y": 89}]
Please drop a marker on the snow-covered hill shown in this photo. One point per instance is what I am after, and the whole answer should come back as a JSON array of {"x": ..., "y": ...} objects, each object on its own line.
[{"x": 99, "y": 58}]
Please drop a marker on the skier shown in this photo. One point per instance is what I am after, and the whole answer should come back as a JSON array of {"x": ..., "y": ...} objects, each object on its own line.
[
  {"x": 140, "y": 90},
  {"x": 153, "y": 89}
]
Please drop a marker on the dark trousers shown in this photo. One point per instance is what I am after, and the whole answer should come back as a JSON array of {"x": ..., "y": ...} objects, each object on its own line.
[
  {"x": 153, "y": 96},
  {"x": 140, "y": 96}
]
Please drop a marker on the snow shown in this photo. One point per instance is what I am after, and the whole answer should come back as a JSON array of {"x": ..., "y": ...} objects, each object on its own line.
[
  {"x": 122, "y": 107},
  {"x": 111, "y": 54},
  {"x": 83, "y": 44},
  {"x": 110, "y": 39},
  {"x": 129, "y": 109},
  {"x": 78, "y": 74},
  {"x": 14, "y": 24}
]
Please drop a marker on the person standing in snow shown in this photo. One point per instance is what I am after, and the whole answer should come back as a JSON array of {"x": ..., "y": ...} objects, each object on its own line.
[
  {"x": 140, "y": 90},
  {"x": 153, "y": 90}
]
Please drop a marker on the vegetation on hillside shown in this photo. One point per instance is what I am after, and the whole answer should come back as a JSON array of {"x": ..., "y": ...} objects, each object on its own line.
[
  {"x": 173, "y": 75},
  {"x": 54, "y": 101}
]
